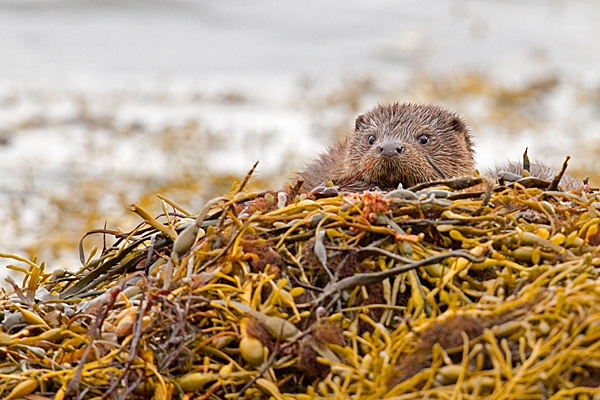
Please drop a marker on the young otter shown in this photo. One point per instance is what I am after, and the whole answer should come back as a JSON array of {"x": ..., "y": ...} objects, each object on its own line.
[{"x": 391, "y": 144}]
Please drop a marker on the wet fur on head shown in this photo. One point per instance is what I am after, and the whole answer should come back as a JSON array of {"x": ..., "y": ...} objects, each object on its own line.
[
  {"x": 448, "y": 144},
  {"x": 387, "y": 148}
]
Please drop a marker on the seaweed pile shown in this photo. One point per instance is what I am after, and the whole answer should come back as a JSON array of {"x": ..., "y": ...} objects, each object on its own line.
[{"x": 463, "y": 288}]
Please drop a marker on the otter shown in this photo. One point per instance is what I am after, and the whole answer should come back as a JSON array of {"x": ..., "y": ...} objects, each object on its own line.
[
  {"x": 396, "y": 144},
  {"x": 538, "y": 170}
]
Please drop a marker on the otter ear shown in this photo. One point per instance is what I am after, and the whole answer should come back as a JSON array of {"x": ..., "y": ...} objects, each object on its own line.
[
  {"x": 361, "y": 122},
  {"x": 458, "y": 125}
]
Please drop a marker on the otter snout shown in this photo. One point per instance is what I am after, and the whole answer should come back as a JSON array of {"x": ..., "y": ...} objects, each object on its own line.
[{"x": 390, "y": 149}]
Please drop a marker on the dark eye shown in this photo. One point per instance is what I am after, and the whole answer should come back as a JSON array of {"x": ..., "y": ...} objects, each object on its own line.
[
  {"x": 423, "y": 139},
  {"x": 371, "y": 140}
]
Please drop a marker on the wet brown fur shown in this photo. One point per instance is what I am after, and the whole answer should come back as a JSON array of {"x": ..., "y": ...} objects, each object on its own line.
[
  {"x": 538, "y": 170},
  {"x": 354, "y": 164}
]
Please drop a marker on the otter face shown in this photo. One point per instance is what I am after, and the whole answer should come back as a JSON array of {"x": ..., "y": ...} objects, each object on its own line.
[{"x": 392, "y": 144}]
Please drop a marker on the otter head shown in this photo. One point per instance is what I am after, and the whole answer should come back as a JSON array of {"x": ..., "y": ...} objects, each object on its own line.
[{"x": 392, "y": 143}]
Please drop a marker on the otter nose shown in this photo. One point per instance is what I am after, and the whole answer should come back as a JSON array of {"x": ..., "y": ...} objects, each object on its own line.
[{"x": 390, "y": 149}]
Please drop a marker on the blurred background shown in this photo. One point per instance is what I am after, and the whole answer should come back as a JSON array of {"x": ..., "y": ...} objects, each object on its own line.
[{"x": 106, "y": 103}]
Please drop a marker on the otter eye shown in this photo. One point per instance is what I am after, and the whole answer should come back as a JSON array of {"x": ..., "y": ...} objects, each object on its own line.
[
  {"x": 371, "y": 140},
  {"x": 423, "y": 139}
]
